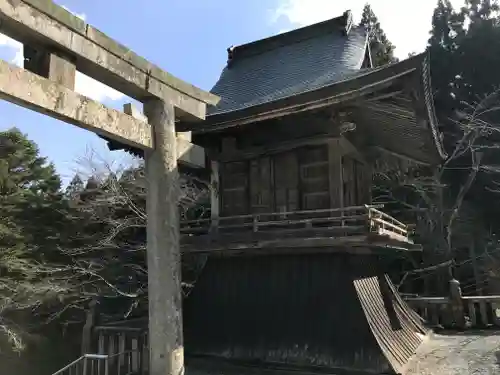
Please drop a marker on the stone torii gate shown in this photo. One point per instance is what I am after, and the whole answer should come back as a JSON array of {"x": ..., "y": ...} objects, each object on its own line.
[{"x": 56, "y": 45}]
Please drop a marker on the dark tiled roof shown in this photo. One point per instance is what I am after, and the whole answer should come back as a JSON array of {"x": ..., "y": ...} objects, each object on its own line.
[{"x": 301, "y": 60}]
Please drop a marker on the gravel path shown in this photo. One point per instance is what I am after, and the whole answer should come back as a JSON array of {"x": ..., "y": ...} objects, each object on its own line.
[{"x": 468, "y": 353}]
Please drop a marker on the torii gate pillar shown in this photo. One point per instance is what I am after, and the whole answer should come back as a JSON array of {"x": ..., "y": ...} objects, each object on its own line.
[
  {"x": 57, "y": 44},
  {"x": 163, "y": 252}
]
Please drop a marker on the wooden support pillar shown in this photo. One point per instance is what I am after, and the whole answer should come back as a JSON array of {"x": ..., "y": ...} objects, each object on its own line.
[
  {"x": 90, "y": 322},
  {"x": 336, "y": 185},
  {"x": 214, "y": 194},
  {"x": 163, "y": 252}
]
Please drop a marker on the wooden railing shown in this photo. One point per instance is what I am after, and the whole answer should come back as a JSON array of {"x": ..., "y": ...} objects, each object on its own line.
[
  {"x": 347, "y": 221},
  {"x": 126, "y": 348},
  {"x": 458, "y": 311}
]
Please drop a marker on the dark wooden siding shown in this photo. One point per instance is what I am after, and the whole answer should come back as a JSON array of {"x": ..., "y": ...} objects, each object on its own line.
[
  {"x": 286, "y": 181},
  {"x": 293, "y": 180},
  {"x": 293, "y": 310},
  {"x": 261, "y": 185},
  {"x": 234, "y": 188},
  {"x": 316, "y": 310},
  {"x": 356, "y": 178},
  {"x": 315, "y": 193}
]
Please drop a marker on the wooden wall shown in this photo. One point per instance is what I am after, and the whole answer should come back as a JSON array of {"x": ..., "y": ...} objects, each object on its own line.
[{"x": 304, "y": 178}]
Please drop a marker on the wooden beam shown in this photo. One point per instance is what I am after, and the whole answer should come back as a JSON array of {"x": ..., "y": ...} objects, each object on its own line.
[
  {"x": 225, "y": 245},
  {"x": 43, "y": 23},
  {"x": 214, "y": 194},
  {"x": 32, "y": 91},
  {"x": 336, "y": 186},
  {"x": 275, "y": 148},
  {"x": 349, "y": 149},
  {"x": 400, "y": 156}
]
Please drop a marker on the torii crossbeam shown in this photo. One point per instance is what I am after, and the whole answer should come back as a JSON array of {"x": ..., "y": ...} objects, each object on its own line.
[{"x": 56, "y": 45}]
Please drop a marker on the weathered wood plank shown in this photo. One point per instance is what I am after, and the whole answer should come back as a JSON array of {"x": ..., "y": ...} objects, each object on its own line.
[
  {"x": 32, "y": 91},
  {"x": 335, "y": 174},
  {"x": 286, "y": 181},
  {"x": 42, "y": 22},
  {"x": 214, "y": 194},
  {"x": 253, "y": 243}
]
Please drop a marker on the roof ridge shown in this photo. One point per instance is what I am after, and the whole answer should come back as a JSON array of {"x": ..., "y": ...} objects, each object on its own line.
[{"x": 343, "y": 23}]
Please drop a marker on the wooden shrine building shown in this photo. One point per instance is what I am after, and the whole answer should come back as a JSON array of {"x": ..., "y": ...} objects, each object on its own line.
[
  {"x": 296, "y": 255},
  {"x": 295, "y": 275}
]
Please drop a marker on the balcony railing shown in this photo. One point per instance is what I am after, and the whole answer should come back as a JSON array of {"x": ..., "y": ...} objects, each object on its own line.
[{"x": 324, "y": 223}]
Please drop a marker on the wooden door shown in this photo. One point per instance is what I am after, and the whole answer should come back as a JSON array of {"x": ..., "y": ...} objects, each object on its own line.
[
  {"x": 234, "y": 188},
  {"x": 357, "y": 181},
  {"x": 314, "y": 177},
  {"x": 350, "y": 182}
]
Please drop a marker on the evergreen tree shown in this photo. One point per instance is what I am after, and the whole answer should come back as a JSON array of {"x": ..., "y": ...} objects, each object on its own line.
[
  {"x": 30, "y": 193},
  {"x": 382, "y": 50},
  {"x": 74, "y": 188},
  {"x": 31, "y": 207},
  {"x": 464, "y": 48}
]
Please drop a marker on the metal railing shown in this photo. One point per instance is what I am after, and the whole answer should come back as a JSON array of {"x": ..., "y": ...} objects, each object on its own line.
[
  {"x": 103, "y": 364},
  {"x": 346, "y": 221},
  {"x": 88, "y": 364}
]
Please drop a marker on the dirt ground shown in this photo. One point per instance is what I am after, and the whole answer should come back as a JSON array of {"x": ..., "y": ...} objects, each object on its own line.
[{"x": 451, "y": 353}]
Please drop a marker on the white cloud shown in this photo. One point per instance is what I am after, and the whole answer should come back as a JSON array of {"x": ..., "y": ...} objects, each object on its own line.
[
  {"x": 407, "y": 24},
  {"x": 83, "y": 84}
]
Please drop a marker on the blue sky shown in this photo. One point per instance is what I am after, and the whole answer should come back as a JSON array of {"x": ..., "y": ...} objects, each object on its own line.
[{"x": 189, "y": 39}]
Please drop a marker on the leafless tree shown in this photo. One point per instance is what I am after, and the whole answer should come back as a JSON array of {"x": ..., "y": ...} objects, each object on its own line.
[
  {"x": 25, "y": 285},
  {"x": 109, "y": 256},
  {"x": 425, "y": 195}
]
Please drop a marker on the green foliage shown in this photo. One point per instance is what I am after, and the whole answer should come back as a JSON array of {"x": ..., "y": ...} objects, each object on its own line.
[
  {"x": 381, "y": 49},
  {"x": 31, "y": 217},
  {"x": 465, "y": 52}
]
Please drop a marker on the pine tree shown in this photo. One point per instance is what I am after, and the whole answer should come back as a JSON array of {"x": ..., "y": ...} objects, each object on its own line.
[
  {"x": 465, "y": 52},
  {"x": 74, "y": 188},
  {"x": 382, "y": 50},
  {"x": 31, "y": 223},
  {"x": 447, "y": 30},
  {"x": 30, "y": 193}
]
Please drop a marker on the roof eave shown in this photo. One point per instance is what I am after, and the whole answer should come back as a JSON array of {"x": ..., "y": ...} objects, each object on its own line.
[
  {"x": 338, "y": 92},
  {"x": 431, "y": 111}
]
